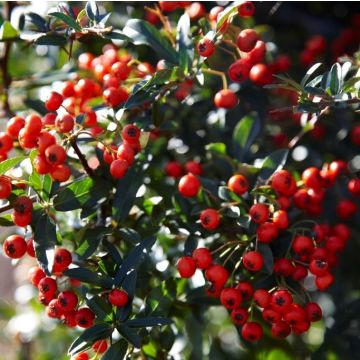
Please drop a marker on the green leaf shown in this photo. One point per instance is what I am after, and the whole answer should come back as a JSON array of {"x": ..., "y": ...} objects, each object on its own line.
[
  {"x": 6, "y": 220},
  {"x": 143, "y": 33},
  {"x": 100, "y": 306},
  {"x": 150, "y": 203},
  {"x": 82, "y": 193},
  {"x": 274, "y": 162},
  {"x": 227, "y": 12},
  {"x": 44, "y": 241},
  {"x": 116, "y": 35},
  {"x": 126, "y": 190},
  {"x": 92, "y": 10},
  {"x": 46, "y": 186},
  {"x": 334, "y": 79},
  {"x": 37, "y": 105},
  {"x": 226, "y": 194},
  {"x": 89, "y": 336},
  {"x": 90, "y": 277},
  {"x": 289, "y": 81},
  {"x": 130, "y": 335},
  {"x": 219, "y": 148},
  {"x": 267, "y": 254},
  {"x": 129, "y": 235},
  {"x": 7, "y": 31},
  {"x": 148, "y": 322},
  {"x": 309, "y": 73},
  {"x": 315, "y": 91},
  {"x": 185, "y": 45},
  {"x": 90, "y": 240},
  {"x": 37, "y": 20},
  {"x": 245, "y": 132},
  {"x": 55, "y": 40},
  {"x": 134, "y": 259},
  {"x": 68, "y": 20},
  {"x": 116, "y": 351},
  {"x": 9, "y": 164}
]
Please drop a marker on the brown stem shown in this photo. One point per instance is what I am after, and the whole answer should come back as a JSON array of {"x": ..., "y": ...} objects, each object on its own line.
[
  {"x": 4, "y": 60},
  {"x": 82, "y": 158}
]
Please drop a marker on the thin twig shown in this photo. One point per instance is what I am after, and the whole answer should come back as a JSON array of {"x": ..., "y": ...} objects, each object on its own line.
[{"x": 82, "y": 158}]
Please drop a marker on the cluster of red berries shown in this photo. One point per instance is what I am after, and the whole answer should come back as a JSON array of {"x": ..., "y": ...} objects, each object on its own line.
[
  {"x": 312, "y": 252},
  {"x": 175, "y": 169},
  {"x": 121, "y": 157},
  {"x": 98, "y": 348}
]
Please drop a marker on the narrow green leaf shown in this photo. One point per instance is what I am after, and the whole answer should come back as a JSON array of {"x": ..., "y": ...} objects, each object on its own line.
[
  {"x": 100, "y": 306},
  {"x": 267, "y": 254},
  {"x": 185, "y": 44},
  {"x": 44, "y": 241},
  {"x": 134, "y": 258},
  {"x": 334, "y": 79},
  {"x": 55, "y": 40},
  {"x": 227, "y": 12},
  {"x": 89, "y": 336},
  {"x": 7, "y": 31},
  {"x": 9, "y": 164},
  {"x": 90, "y": 240},
  {"x": 274, "y": 162},
  {"x": 68, "y": 20},
  {"x": 219, "y": 148},
  {"x": 6, "y": 220},
  {"x": 116, "y": 351},
  {"x": 92, "y": 10},
  {"x": 309, "y": 73},
  {"x": 148, "y": 322},
  {"x": 245, "y": 132},
  {"x": 130, "y": 335},
  {"x": 90, "y": 277},
  {"x": 143, "y": 33}
]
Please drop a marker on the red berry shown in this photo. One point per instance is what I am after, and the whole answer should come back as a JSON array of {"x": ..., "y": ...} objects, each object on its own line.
[
  {"x": 260, "y": 74},
  {"x": 253, "y": 261},
  {"x": 47, "y": 286},
  {"x": 302, "y": 245},
  {"x": 33, "y": 124},
  {"x": 295, "y": 315},
  {"x": 354, "y": 186},
  {"x": 23, "y": 205},
  {"x": 115, "y": 96},
  {"x": 267, "y": 232},
  {"x": 281, "y": 300},
  {"x": 239, "y": 316},
  {"x": 49, "y": 119},
  {"x": 226, "y": 99},
  {"x": 318, "y": 267},
  {"x": 257, "y": 54},
  {"x": 5, "y": 187},
  {"x": 202, "y": 257},
  {"x": 194, "y": 168},
  {"x": 186, "y": 267},
  {"x": 300, "y": 328},
  {"x": 217, "y": 275},
  {"x": 300, "y": 272},
  {"x": 60, "y": 173},
  {"x": 44, "y": 140},
  {"x": 252, "y": 331},
  {"x": 84, "y": 318},
  {"x": 69, "y": 319},
  {"x": 271, "y": 315},
  {"x": 238, "y": 184},
  {"x": 196, "y": 10},
  {"x": 189, "y": 185},
  {"x": 246, "y": 9},
  {"x": 281, "y": 219},
  {"x": 343, "y": 231},
  {"x": 239, "y": 70},
  {"x": 121, "y": 70},
  {"x": 346, "y": 209},
  {"x": 311, "y": 178},
  {"x": 14, "y": 125},
  {"x": 118, "y": 297},
  {"x": 313, "y": 311},
  {"x": 14, "y": 246},
  {"x": 338, "y": 167},
  {"x": 259, "y": 213},
  {"x": 283, "y": 183},
  {"x": 6, "y": 143},
  {"x": 53, "y": 101},
  {"x": 230, "y": 298},
  {"x": 64, "y": 123},
  {"x": 262, "y": 298},
  {"x": 55, "y": 154},
  {"x": 119, "y": 168},
  {"x": 206, "y": 47},
  {"x": 80, "y": 356},
  {"x": 21, "y": 219},
  {"x": 246, "y": 290},
  {"x": 67, "y": 301},
  {"x": 62, "y": 260},
  {"x": 214, "y": 12},
  {"x": 30, "y": 247},
  {"x": 355, "y": 135},
  {"x": 325, "y": 281},
  {"x": 173, "y": 169},
  {"x": 35, "y": 274},
  {"x": 283, "y": 267},
  {"x": 210, "y": 219},
  {"x": 280, "y": 329},
  {"x": 100, "y": 346},
  {"x": 126, "y": 152},
  {"x": 247, "y": 39},
  {"x": 53, "y": 310},
  {"x": 130, "y": 133}
]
